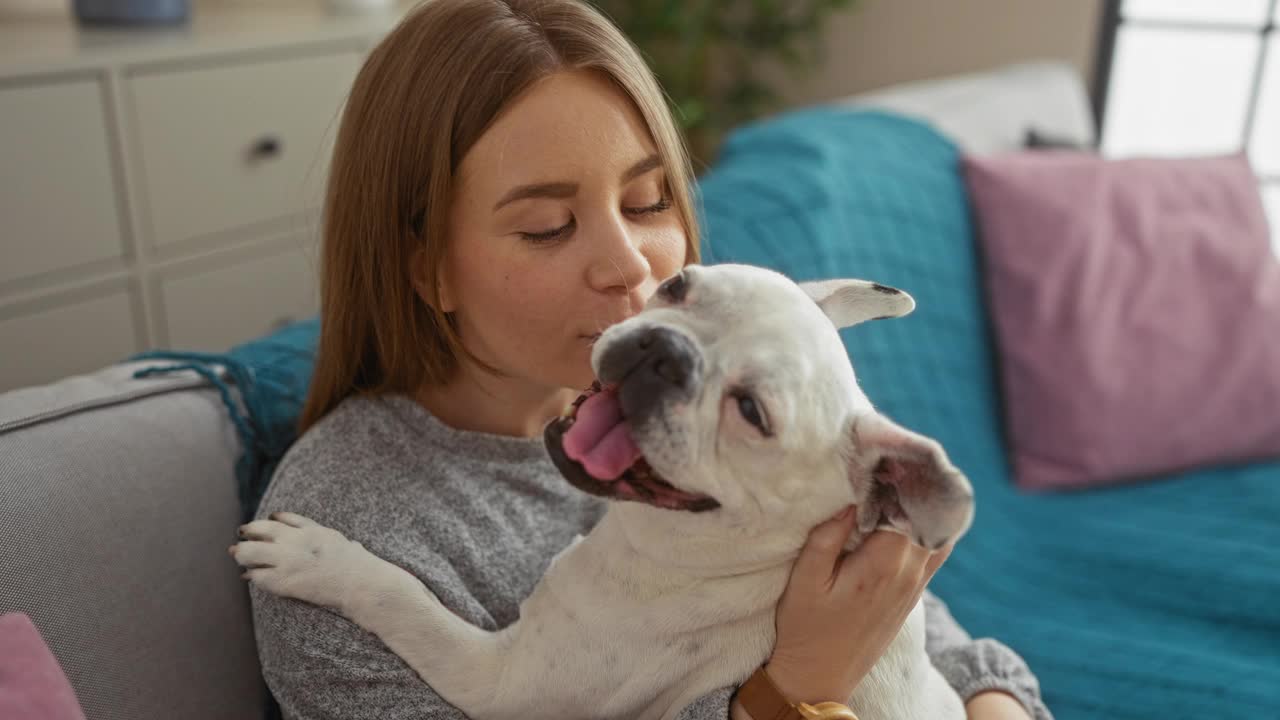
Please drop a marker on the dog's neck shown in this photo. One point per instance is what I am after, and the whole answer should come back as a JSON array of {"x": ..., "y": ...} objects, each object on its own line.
[{"x": 661, "y": 541}]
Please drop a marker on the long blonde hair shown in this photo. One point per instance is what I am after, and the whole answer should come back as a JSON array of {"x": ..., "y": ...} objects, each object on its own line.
[{"x": 424, "y": 96}]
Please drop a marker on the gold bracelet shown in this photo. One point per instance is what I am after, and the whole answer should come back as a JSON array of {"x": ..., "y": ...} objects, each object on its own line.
[{"x": 825, "y": 711}]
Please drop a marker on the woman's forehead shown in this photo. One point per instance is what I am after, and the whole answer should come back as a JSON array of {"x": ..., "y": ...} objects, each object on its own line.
[{"x": 567, "y": 126}]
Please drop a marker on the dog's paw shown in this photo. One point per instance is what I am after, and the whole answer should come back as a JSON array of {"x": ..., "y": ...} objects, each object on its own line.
[{"x": 293, "y": 556}]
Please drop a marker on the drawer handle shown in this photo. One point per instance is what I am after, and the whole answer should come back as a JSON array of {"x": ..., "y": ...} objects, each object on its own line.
[{"x": 265, "y": 148}]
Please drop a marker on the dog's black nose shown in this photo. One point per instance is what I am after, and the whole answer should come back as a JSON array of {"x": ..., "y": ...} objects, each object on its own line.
[
  {"x": 653, "y": 365},
  {"x": 667, "y": 356}
]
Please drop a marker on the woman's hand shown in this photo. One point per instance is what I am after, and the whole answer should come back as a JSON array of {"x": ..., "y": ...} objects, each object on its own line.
[
  {"x": 841, "y": 611},
  {"x": 995, "y": 705}
]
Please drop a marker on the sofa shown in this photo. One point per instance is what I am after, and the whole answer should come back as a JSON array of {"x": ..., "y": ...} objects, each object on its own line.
[{"x": 120, "y": 490}]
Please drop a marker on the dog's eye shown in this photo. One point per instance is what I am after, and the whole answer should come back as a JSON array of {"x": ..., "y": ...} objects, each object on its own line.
[
  {"x": 674, "y": 288},
  {"x": 750, "y": 412}
]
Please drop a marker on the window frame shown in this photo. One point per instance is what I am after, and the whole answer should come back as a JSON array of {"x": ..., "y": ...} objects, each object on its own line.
[
  {"x": 1113, "y": 19},
  {"x": 1111, "y": 22}
]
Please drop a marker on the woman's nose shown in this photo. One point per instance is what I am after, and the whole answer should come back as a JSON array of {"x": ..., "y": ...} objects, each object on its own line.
[{"x": 618, "y": 262}]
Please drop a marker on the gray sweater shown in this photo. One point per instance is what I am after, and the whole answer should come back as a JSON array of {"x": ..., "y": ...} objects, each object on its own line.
[{"x": 476, "y": 517}]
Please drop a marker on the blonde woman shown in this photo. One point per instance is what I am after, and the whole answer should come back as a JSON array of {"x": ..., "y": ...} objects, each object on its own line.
[{"x": 507, "y": 182}]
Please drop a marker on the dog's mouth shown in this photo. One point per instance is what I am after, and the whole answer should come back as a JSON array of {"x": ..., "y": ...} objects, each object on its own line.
[{"x": 592, "y": 447}]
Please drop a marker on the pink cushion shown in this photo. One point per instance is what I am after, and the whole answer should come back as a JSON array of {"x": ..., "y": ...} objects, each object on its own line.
[
  {"x": 1136, "y": 306},
  {"x": 32, "y": 685}
]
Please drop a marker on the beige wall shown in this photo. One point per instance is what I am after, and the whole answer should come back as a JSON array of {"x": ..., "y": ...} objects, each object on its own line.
[
  {"x": 24, "y": 7},
  {"x": 882, "y": 42}
]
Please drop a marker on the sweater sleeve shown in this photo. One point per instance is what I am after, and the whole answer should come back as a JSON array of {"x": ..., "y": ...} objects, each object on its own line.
[
  {"x": 971, "y": 666},
  {"x": 320, "y": 665},
  {"x": 712, "y": 706}
]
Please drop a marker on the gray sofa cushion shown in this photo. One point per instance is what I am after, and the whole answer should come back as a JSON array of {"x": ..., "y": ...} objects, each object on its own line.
[{"x": 117, "y": 505}]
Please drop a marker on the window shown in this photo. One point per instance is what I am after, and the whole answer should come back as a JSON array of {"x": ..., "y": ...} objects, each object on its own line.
[{"x": 1193, "y": 77}]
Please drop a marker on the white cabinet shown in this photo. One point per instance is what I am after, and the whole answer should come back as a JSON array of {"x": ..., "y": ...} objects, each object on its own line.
[
  {"x": 43, "y": 343},
  {"x": 260, "y": 161},
  {"x": 161, "y": 187},
  {"x": 212, "y": 309},
  {"x": 59, "y": 207}
]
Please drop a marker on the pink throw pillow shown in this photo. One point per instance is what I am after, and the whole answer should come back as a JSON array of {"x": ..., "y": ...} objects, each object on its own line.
[
  {"x": 32, "y": 684},
  {"x": 1136, "y": 306}
]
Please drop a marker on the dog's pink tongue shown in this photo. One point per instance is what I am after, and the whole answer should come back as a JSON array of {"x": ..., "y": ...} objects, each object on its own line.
[{"x": 599, "y": 439}]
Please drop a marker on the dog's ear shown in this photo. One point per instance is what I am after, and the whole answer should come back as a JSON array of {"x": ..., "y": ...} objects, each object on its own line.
[
  {"x": 849, "y": 302},
  {"x": 913, "y": 488}
]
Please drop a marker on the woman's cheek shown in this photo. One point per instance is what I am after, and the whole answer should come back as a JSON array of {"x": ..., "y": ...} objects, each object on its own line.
[
  {"x": 537, "y": 298},
  {"x": 669, "y": 251}
]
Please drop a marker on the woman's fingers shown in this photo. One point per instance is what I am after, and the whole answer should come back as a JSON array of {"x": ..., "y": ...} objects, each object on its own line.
[
  {"x": 818, "y": 557},
  {"x": 831, "y": 630},
  {"x": 886, "y": 556},
  {"x": 936, "y": 558},
  {"x": 882, "y": 555}
]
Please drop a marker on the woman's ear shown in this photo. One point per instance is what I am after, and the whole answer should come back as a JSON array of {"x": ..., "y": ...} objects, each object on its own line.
[{"x": 420, "y": 273}]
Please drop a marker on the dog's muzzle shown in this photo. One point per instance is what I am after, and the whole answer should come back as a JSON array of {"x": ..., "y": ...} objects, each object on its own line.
[
  {"x": 639, "y": 372},
  {"x": 651, "y": 366}
]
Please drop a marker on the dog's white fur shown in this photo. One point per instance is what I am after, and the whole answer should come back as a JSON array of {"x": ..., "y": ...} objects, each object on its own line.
[{"x": 656, "y": 607}]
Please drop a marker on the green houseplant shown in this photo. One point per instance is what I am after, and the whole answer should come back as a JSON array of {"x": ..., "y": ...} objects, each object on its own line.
[{"x": 709, "y": 55}]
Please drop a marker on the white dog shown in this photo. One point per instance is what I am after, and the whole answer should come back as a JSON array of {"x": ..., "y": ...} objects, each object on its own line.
[{"x": 728, "y": 412}]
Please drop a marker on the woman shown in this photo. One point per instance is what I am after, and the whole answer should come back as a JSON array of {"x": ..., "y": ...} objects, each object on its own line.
[{"x": 506, "y": 183}]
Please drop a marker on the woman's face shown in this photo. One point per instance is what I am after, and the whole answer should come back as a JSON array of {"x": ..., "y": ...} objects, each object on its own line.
[{"x": 561, "y": 226}]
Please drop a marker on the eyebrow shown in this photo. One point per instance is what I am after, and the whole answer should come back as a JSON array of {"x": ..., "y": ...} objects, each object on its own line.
[{"x": 569, "y": 189}]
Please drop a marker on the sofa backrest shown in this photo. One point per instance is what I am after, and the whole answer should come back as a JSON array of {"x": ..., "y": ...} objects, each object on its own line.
[
  {"x": 117, "y": 505},
  {"x": 991, "y": 111}
]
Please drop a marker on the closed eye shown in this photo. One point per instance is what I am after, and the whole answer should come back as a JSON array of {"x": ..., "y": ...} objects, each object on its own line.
[
  {"x": 548, "y": 235},
  {"x": 660, "y": 206},
  {"x": 556, "y": 233}
]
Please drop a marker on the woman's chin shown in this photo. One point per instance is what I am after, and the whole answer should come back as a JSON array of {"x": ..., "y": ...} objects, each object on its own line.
[
  {"x": 579, "y": 386},
  {"x": 583, "y": 378},
  {"x": 572, "y": 385}
]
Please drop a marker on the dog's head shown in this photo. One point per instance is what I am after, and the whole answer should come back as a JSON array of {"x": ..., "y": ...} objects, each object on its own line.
[{"x": 731, "y": 396}]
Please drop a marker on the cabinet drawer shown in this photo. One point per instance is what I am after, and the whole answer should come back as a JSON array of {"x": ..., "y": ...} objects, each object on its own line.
[
  {"x": 57, "y": 198},
  {"x": 78, "y": 337},
  {"x": 233, "y": 145},
  {"x": 216, "y": 309}
]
